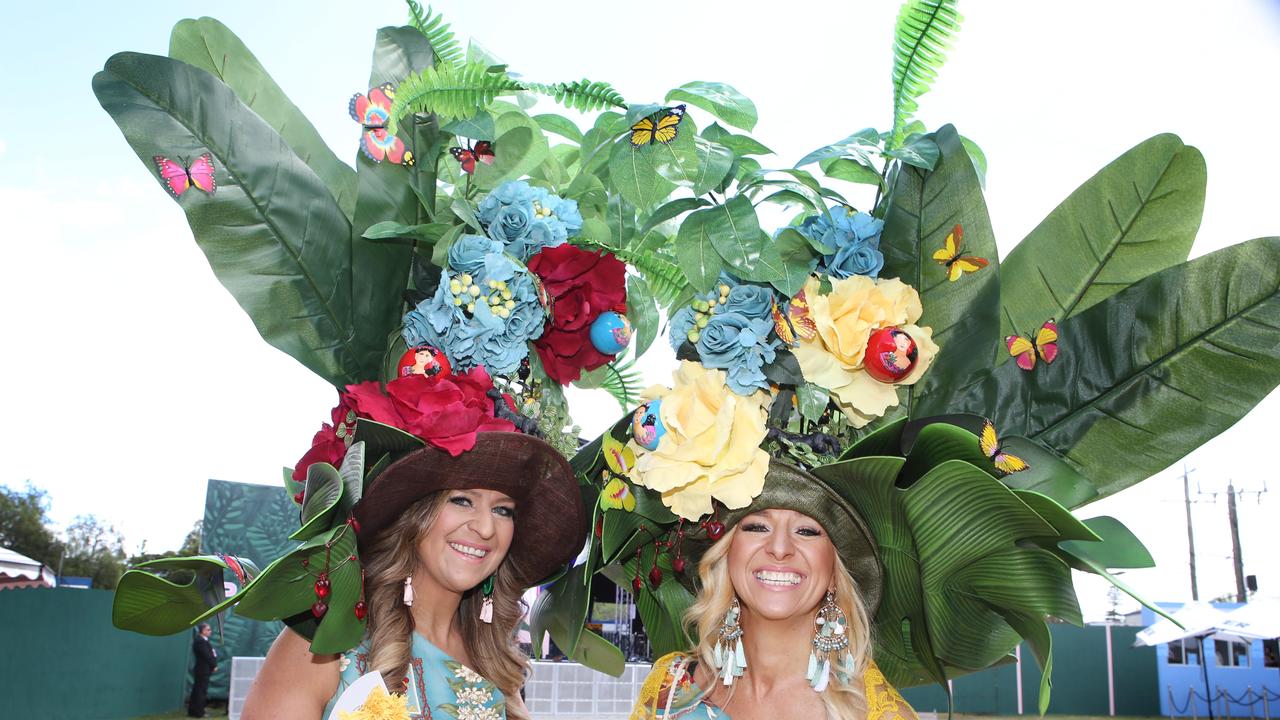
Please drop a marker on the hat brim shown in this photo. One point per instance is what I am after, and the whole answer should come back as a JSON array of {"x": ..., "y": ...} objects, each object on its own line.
[{"x": 551, "y": 522}]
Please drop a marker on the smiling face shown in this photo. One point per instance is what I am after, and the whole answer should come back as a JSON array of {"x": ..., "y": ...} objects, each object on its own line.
[
  {"x": 780, "y": 563},
  {"x": 466, "y": 542}
]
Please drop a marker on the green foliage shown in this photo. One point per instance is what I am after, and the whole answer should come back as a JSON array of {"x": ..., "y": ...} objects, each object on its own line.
[
  {"x": 437, "y": 33},
  {"x": 450, "y": 91},
  {"x": 620, "y": 378},
  {"x": 719, "y": 99},
  {"x": 921, "y": 39},
  {"x": 581, "y": 95},
  {"x": 24, "y": 520}
]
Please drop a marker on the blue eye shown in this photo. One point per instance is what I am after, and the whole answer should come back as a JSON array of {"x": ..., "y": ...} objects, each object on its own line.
[
  {"x": 754, "y": 527},
  {"x": 461, "y": 500},
  {"x": 504, "y": 511},
  {"x": 809, "y": 532}
]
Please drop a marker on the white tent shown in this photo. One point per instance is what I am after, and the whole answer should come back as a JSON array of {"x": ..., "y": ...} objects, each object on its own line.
[
  {"x": 1197, "y": 619},
  {"x": 1258, "y": 620},
  {"x": 18, "y": 570}
]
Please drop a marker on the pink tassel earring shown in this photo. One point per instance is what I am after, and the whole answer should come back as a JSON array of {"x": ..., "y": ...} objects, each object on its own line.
[
  {"x": 486, "y": 605},
  {"x": 408, "y": 591}
]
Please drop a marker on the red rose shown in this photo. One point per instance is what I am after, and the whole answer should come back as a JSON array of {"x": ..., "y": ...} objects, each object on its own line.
[
  {"x": 445, "y": 411},
  {"x": 582, "y": 285},
  {"x": 327, "y": 445}
]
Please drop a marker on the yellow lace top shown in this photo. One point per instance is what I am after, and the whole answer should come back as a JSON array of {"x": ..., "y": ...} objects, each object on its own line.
[{"x": 669, "y": 693}]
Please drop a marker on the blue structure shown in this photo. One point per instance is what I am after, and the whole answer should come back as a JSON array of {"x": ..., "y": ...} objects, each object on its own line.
[{"x": 1238, "y": 673}]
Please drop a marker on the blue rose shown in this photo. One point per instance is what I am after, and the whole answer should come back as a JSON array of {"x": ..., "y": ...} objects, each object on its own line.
[
  {"x": 753, "y": 301},
  {"x": 515, "y": 192},
  {"x": 506, "y": 341},
  {"x": 681, "y": 323},
  {"x": 467, "y": 253},
  {"x": 543, "y": 233},
  {"x": 741, "y": 347},
  {"x": 858, "y": 258},
  {"x": 853, "y": 239},
  {"x": 511, "y": 223}
]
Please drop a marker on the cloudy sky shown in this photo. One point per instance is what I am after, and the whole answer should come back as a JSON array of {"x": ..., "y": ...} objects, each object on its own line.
[{"x": 133, "y": 377}]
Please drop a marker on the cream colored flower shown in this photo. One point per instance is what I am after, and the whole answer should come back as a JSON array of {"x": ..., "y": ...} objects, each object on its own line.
[
  {"x": 466, "y": 673},
  {"x": 474, "y": 696},
  {"x": 856, "y": 307},
  {"x": 477, "y": 713},
  {"x": 711, "y": 449}
]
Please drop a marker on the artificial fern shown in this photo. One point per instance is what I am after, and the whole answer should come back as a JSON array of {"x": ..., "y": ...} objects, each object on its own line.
[
  {"x": 664, "y": 276},
  {"x": 921, "y": 39},
  {"x": 622, "y": 380},
  {"x": 450, "y": 91},
  {"x": 437, "y": 33},
  {"x": 582, "y": 95}
]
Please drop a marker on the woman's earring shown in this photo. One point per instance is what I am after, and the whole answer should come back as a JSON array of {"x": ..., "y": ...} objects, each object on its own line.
[
  {"x": 830, "y": 636},
  {"x": 408, "y": 591},
  {"x": 730, "y": 660},
  {"x": 486, "y": 605}
]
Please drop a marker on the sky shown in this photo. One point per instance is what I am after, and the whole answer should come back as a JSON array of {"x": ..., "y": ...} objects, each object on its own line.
[{"x": 133, "y": 377}]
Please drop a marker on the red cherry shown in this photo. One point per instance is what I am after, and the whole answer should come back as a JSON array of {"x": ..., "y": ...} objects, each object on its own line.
[
  {"x": 361, "y": 610},
  {"x": 322, "y": 588},
  {"x": 715, "y": 529},
  {"x": 319, "y": 609},
  {"x": 655, "y": 576},
  {"x": 637, "y": 583},
  {"x": 678, "y": 564},
  {"x": 355, "y": 524},
  {"x": 297, "y": 497}
]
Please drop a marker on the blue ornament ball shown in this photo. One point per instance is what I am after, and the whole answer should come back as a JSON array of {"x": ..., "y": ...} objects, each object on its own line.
[
  {"x": 610, "y": 333},
  {"x": 646, "y": 425}
]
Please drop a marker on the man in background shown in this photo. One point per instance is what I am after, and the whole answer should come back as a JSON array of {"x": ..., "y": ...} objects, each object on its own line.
[{"x": 206, "y": 664}]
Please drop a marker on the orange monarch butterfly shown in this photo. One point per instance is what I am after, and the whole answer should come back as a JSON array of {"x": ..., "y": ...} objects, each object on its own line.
[
  {"x": 953, "y": 258},
  {"x": 990, "y": 445},
  {"x": 660, "y": 127},
  {"x": 1045, "y": 344},
  {"x": 792, "y": 319}
]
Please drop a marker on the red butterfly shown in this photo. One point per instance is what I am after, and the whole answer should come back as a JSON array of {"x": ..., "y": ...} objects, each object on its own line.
[
  {"x": 1024, "y": 349},
  {"x": 467, "y": 157},
  {"x": 179, "y": 178},
  {"x": 373, "y": 112}
]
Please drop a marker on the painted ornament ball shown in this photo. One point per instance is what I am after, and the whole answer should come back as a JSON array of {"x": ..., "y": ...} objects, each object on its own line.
[
  {"x": 891, "y": 355},
  {"x": 423, "y": 360},
  {"x": 610, "y": 333},
  {"x": 646, "y": 425}
]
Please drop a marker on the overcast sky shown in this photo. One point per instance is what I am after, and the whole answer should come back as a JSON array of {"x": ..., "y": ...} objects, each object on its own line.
[{"x": 134, "y": 377}]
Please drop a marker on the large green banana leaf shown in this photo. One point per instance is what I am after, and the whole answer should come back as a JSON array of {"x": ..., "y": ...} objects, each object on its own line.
[
  {"x": 272, "y": 232},
  {"x": 964, "y": 314},
  {"x": 1152, "y": 372},
  {"x": 211, "y": 46},
  {"x": 1138, "y": 215}
]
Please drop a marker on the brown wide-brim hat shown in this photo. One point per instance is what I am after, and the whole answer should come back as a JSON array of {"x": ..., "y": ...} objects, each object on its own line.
[
  {"x": 551, "y": 522},
  {"x": 787, "y": 487}
]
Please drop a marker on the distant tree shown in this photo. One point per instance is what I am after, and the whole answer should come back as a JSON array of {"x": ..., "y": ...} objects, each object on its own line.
[
  {"x": 24, "y": 524},
  {"x": 190, "y": 546},
  {"x": 94, "y": 550}
]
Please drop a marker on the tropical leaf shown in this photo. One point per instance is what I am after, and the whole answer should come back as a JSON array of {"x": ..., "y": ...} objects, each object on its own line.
[
  {"x": 642, "y": 310},
  {"x": 920, "y": 41},
  {"x": 1150, "y": 373},
  {"x": 211, "y": 46},
  {"x": 581, "y": 95},
  {"x": 1138, "y": 215},
  {"x": 719, "y": 99},
  {"x": 273, "y": 233},
  {"x": 964, "y": 314},
  {"x": 560, "y": 125},
  {"x": 450, "y": 91},
  {"x": 620, "y": 378},
  {"x": 146, "y": 603},
  {"x": 698, "y": 257},
  {"x": 561, "y": 609},
  {"x": 633, "y": 172},
  {"x": 437, "y": 33}
]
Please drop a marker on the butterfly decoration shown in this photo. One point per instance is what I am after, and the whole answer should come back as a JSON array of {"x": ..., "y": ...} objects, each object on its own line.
[
  {"x": 233, "y": 564},
  {"x": 1006, "y": 463},
  {"x": 617, "y": 495},
  {"x": 467, "y": 157},
  {"x": 181, "y": 178},
  {"x": 373, "y": 112},
  {"x": 618, "y": 456},
  {"x": 1044, "y": 344},
  {"x": 952, "y": 256},
  {"x": 792, "y": 320},
  {"x": 660, "y": 127}
]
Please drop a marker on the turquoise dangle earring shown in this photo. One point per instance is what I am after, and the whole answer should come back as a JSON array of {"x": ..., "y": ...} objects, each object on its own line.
[
  {"x": 486, "y": 605},
  {"x": 830, "y": 636},
  {"x": 730, "y": 659}
]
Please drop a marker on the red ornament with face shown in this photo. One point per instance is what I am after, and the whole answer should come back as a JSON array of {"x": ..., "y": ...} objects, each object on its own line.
[
  {"x": 891, "y": 355},
  {"x": 423, "y": 360}
]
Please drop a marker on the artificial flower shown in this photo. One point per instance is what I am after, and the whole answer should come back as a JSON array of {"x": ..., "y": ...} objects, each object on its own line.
[
  {"x": 526, "y": 219},
  {"x": 582, "y": 285},
  {"x": 711, "y": 448},
  {"x": 331, "y": 441},
  {"x": 444, "y": 411},
  {"x": 853, "y": 239},
  {"x": 741, "y": 346},
  {"x": 845, "y": 317},
  {"x": 753, "y": 301},
  {"x": 379, "y": 706}
]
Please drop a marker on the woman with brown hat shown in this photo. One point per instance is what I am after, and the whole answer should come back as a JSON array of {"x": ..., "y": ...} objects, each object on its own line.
[{"x": 448, "y": 545}]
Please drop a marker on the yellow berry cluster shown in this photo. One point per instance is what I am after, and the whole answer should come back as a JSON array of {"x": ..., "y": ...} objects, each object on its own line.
[
  {"x": 541, "y": 212},
  {"x": 702, "y": 310},
  {"x": 466, "y": 293}
]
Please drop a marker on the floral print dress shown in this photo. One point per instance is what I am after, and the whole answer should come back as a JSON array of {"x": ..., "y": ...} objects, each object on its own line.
[{"x": 437, "y": 688}]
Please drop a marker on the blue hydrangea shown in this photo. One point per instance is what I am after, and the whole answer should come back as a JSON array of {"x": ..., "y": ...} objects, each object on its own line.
[
  {"x": 526, "y": 219},
  {"x": 741, "y": 346},
  {"x": 854, "y": 240},
  {"x": 753, "y": 301}
]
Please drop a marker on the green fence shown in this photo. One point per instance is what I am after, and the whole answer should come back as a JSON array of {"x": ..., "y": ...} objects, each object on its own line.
[
  {"x": 62, "y": 658},
  {"x": 1079, "y": 679}
]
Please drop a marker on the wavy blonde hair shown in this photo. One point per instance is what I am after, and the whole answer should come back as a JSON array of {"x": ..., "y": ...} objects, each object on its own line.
[
  {"x": 844, "y": 701},
  {"x": 491, "y": 647}
]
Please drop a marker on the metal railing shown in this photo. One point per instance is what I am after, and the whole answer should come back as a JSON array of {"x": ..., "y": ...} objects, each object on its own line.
[{"x": 1249, "y": 698}]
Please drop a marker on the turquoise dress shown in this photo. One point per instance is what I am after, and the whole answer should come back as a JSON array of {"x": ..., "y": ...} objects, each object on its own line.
[{"x": 438, "y": 687}]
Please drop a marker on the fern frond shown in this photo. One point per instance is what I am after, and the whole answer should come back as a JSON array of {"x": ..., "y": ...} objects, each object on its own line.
[
  {"x": 623, "y": 381},
  {"x": 664, "y": 276},
  {"x": 582, "y": 95},
  {"x": 922, "y": 37},
  {"x": 450, "y": 91},
  {"x": 437, "y": 33}
]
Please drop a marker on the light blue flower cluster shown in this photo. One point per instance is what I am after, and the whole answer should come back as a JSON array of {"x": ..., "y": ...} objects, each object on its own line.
[
  {"x": 526, "y": 219},
  {"x": 854, "y": 239},
  {"x": 485, "y": 311},
  {"x": 731, "y": 328}
]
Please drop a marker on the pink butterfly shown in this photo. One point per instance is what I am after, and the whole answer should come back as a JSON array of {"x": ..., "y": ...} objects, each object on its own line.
[
  {"x": 179, "y": 179},
  {"x": 373, "y": 112}
]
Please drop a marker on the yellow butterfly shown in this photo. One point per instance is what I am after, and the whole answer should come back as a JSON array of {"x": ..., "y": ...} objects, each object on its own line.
[
  {"x": 990, "y": 444},
  {"x": 660, "y": 127},
  {"x": 792, "y": 319},
  {"x": 1024, "y": 349},
  {"x": 617, "y": 495},
  {"x": 953, "y": 258},
  {"x": 617, "y": 456}
]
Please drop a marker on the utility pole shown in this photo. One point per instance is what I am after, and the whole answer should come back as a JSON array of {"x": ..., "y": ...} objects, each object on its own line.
[
  {"x": 1191, "y": 538},
  {"x": 1236, "y": 559}
]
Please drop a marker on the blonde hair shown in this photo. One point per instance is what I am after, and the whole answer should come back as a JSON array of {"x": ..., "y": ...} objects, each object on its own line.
[
  {"x": 491, "y": 647},
  {"x": 844, "y": 701}
]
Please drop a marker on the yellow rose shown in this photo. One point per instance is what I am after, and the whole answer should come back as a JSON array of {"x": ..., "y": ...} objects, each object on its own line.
[
  {"x": 856, "y": 307},
  {"x": 711, "y": 449}
]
